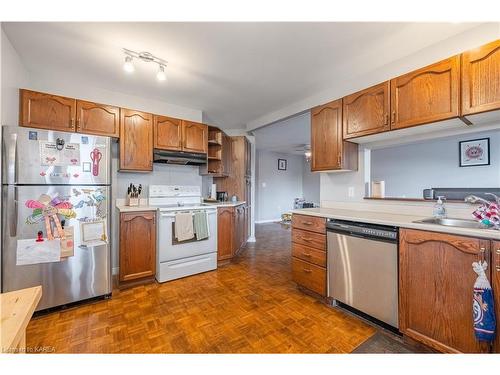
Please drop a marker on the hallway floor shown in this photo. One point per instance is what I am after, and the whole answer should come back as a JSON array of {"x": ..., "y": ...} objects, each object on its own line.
[{"x": 248, "y": 306}]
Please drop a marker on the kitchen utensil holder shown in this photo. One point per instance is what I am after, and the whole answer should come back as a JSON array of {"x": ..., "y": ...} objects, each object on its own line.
[{"x": 133, "y": 202}]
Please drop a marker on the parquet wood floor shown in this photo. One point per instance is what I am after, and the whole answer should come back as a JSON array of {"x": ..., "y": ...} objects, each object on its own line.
[{"x": 248, "y": 306}]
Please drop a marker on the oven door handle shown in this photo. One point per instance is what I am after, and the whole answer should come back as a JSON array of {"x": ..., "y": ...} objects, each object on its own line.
[{"x": 173, "y": 215}]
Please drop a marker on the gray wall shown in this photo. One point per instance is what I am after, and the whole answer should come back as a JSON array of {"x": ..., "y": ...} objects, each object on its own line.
[
  {"x": 310, "y": 183},
  {"x": 409, "y": 169},
  {"x": 281, "y": 187}
]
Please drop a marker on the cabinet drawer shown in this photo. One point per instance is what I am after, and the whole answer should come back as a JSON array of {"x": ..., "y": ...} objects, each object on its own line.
[
  {"x": 314, "y": 224},
  {"x": 309, "y": 276},
  {"x": 311, "y": 239},
  {"x": 309, "y": 254}
]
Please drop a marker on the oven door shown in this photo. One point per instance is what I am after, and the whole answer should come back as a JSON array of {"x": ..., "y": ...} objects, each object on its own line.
[{"x": 169, "y": 249}]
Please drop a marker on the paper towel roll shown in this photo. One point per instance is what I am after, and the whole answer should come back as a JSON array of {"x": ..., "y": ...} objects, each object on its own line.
[{"x": 378, "y": 189}]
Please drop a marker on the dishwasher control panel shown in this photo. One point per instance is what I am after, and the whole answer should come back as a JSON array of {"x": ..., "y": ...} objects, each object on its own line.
[{"x": 363, "y": 229}]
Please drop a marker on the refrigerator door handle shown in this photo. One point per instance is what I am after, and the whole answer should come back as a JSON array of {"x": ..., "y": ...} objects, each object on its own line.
[{"x": 13, "y": 212}]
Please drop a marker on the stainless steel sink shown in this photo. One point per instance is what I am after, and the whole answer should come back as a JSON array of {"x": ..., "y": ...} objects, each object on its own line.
[{"x": 449, "y": 222}]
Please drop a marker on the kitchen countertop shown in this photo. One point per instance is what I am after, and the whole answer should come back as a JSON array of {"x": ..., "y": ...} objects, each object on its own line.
[
  {"x": 396, "y": 220},
  {"x": 17, "y": 309},
  {"x": 125, "y": 208}
]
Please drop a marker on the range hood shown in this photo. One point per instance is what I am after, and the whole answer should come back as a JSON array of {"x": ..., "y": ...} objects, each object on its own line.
[{"x": 179, "y": 158}]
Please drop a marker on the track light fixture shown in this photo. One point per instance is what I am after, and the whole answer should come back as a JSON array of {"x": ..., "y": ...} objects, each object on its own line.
[{"x": 130, "y": 55}]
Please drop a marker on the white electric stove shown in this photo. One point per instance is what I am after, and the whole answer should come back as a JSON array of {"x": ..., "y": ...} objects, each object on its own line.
[{"x": 176, "y": 259}]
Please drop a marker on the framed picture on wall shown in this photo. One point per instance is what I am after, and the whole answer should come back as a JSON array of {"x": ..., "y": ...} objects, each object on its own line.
[
  {"x": 474, "y": 152},
  {"x": 282, "y": 164}
]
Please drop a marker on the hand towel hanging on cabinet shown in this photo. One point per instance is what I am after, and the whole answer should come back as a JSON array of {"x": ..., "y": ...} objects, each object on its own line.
[{"x": 482, "y": 305}]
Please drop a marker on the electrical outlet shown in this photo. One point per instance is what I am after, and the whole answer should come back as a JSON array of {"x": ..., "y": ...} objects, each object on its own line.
[{"x": 350, "y": 192}]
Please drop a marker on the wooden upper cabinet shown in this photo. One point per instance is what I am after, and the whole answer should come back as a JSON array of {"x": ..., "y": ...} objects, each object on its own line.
[
  {"x": 328, "y": 150},
  {"x": 137, "y": 245},
  {"x": 168, "y": 133},
  {"x": 194, "y": 137},
  {"x": 481, "y": 79},
  {"x": 98, "y": 119},
  {"x": 426, "y": 95},
  {"x": 495, "y": 284},
  {"x": 367, "y": 111},
  {"x": 136, "y": 141},
  {"x": 436, "y": 281},
  {"x": 46, "y": 111},
  {"x": 326, "y": 136}
]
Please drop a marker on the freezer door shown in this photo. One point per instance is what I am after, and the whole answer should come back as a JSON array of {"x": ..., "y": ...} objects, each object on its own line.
[
  {"x": 29, "y": 157},
  {"x": 84, "y": 275}
]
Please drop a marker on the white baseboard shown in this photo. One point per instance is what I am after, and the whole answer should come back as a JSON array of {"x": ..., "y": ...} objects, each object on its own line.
[
  {"x": 251, "y": 239},
  {"x": 267, "y": 221}
]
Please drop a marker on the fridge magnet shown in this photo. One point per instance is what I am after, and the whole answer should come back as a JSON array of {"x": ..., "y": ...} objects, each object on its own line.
[
  {"x": 67, "y": 244},
  {"x": 59, "y": 154},
  {"x": 474, "y": 152},
  {"x": 282, "y": 164},
  {"x": 93, "y": 233},
  {"x": 45, "y": 209},
  {"x": 96, "y": 157},
  {"x": 32, "y": 252},
  {"x": 86, "y": 166},
  {"x": 33, "y": 136}
]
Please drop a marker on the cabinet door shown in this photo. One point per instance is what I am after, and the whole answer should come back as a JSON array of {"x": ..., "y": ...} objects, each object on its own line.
[
  {"x": 481, "y": 79},
  {"x": 167, "y": 133},
  {"x": 436, "y": 283},
  {"x": 426, "y": 95},
  {"x": 326, "y": 136},
  {"x": 226, "y": 155},
  {"x": 225, "y": 232},
  {"x": 495, "y": 284},
  {"x": 136, "y": 140},
  {"x": 137, "y": 245},
  {"x": 194, "y": 137},
  {"x": 248, "y": 158},
  {"x": 99, "y": 119},
  {"x": 367, "y": 112},
  {"x": 45, "y": 111}
]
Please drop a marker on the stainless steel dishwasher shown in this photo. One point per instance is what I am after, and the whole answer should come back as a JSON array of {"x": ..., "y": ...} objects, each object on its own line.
[{"x": 363, "y": 268}]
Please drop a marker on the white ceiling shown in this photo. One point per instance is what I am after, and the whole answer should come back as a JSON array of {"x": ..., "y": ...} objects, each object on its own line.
[
  {"x": 287, "y": 136},
  {"x": 234, "y": 72}
]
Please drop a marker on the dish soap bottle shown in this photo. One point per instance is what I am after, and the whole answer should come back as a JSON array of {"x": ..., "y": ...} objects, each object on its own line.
[{"x": 439, "y": 208}]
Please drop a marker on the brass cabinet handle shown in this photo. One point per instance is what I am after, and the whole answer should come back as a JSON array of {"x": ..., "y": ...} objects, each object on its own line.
[
  {"x": 393, "y": 120},
  {"x": 307, "y": 239},
  {"x": 307, "y": 223},
  {"x": 339, "y": 158},
  {"x": 307, "y": 270},
  {"x": 497, "y": 261},
  {"x": 306, "y": 254},
  {"x": 482, "y": 250},
  {"x": 386, "y": 119},
  {"x": 72, "y": 123}
]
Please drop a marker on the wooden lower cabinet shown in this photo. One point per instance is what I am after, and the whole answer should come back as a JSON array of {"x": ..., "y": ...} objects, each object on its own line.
[
  {"x": 231, "y": 233},
  {"x": 137, "y": 246},
  {"x": 495, "y": 284},
  {"x": 436, "y": 282},
  {"x": 309, "y": 253}
]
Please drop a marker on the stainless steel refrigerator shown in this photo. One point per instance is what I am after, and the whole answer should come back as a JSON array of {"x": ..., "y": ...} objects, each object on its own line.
[{"x": 56, "y": 183}]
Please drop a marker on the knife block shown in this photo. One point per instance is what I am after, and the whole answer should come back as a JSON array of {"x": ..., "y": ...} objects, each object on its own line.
[{"x": 133, "y": 201}]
